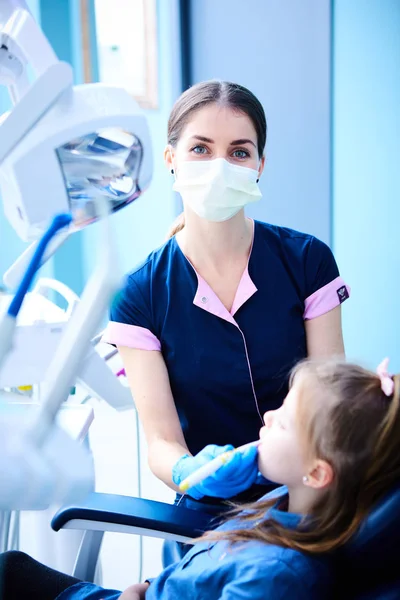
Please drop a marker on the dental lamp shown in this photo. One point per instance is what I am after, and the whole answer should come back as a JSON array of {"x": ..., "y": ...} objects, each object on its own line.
[{"x": 83, "y": 151}]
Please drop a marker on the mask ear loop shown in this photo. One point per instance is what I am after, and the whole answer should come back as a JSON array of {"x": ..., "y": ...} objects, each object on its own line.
[{"x": 258, "y": 178}]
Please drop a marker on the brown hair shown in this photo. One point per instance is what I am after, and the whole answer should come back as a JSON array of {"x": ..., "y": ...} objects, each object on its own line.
[
  {"x": 348, "y": 421},
  {"x": 225, "y": 93}
]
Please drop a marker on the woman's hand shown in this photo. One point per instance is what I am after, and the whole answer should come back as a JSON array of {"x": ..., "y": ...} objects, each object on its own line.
[
  {"x": 137, "y": 591},
  {"x": 235, "y": 476}
]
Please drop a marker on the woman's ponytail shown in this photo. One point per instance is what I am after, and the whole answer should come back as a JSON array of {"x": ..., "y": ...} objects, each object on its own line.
[{"x": 177, "y": 225}]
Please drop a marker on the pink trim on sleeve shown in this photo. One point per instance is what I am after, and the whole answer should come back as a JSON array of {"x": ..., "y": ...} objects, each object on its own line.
[
  {"x": 326, "y": 298},
  {"x": 132, "y": 336}
]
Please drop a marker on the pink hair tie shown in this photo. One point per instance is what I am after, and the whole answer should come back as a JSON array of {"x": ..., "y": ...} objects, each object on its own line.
[{"x": 387, "y": 383}]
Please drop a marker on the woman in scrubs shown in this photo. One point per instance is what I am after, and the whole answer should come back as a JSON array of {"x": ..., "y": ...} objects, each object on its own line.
[{"x": 210, "y": 324}]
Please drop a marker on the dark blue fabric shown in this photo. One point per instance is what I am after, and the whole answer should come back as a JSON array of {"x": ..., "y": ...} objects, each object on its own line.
[
  {"x": 390, "y": 590},
  {"x": 206, "y": 355}
]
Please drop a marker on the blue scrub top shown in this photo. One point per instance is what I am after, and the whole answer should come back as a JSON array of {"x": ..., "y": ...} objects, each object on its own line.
[
  {"x": 252, "y": 570},
  {"x": 227, "y": 369}
]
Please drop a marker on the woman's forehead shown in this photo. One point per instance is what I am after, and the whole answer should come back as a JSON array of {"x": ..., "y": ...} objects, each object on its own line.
[{"x": 215, "y": 122}]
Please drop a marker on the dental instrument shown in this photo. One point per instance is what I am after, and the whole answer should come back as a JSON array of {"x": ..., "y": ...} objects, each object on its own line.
[{"x": 212, "y": 466}]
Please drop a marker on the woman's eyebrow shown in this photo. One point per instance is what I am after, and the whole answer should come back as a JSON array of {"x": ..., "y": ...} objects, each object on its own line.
[
  {"x": 242, "y": 141},
  {"x": 201, "y": 138}
]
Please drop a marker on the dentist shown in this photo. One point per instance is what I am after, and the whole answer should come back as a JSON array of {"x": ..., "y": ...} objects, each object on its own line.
[{"x": 211, "y": 323}]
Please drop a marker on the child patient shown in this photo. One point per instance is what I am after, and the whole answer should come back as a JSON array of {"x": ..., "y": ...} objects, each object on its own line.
[{"x": 333, "y": 445}]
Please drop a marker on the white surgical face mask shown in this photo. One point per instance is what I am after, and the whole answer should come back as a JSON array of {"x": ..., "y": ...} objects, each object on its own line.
[{"x": 216, "y": 189}]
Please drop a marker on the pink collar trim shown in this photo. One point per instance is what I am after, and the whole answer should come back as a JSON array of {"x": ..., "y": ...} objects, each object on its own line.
[{"x": 206, "y": 299}]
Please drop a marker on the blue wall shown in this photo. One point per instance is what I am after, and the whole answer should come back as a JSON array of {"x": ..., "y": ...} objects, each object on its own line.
[
  {"x": 280, "y": 49},
  {"x": 366, "y": 173}
]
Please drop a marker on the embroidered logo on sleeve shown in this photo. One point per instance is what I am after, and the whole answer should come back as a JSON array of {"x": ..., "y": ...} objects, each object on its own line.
[{"x": 342, "y": 293}]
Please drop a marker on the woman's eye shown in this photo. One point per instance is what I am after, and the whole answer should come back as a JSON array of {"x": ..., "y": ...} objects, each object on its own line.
[
  {"x": 241, "y": 154},
  {"x": 199, "y": 150}
]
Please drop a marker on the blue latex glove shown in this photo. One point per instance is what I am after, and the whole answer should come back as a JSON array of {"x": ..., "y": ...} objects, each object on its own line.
[{"x": 237, "y": 475}]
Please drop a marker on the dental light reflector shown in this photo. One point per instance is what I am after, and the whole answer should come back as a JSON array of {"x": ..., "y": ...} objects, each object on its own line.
[
  {"x": 107, "y": 164},
  {"x": 94, "y": 141}
]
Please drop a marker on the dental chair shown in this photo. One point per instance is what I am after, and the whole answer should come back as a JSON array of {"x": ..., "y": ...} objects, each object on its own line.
[{"x": 368, "y": 567}]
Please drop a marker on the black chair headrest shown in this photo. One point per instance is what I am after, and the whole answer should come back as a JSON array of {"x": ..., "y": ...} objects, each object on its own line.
[{"x": 373, "y": 554}]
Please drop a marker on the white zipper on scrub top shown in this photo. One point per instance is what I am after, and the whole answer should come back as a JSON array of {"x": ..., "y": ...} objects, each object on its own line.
[{"x": 251, "y": 375}]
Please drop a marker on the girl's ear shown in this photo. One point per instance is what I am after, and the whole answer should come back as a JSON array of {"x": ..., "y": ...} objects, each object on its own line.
[{"x": 320, "y": 475}]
